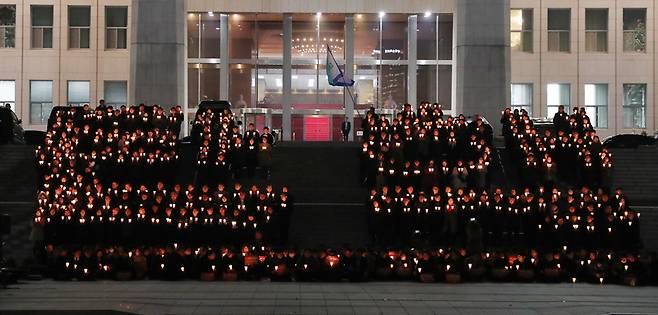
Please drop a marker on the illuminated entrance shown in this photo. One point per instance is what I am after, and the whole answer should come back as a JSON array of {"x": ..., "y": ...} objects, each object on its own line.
[
  {"x": 316, "y": 128},
  {"x": 272, "y": 66}
]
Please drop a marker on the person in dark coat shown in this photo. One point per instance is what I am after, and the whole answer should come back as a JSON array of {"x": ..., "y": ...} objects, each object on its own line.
[{"x": 345, "y": 128}]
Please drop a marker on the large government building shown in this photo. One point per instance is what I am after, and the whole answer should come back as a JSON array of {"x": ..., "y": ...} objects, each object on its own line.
[{"x": 267, "y": 57}]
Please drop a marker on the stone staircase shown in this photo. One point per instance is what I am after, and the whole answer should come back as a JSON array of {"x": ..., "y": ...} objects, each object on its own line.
[
  {"x": 324, "y": 179},
  {"x": 636, "y": 172},
  {"x": 18, "y": 186},
  {"x": 18, "y": 175},
  {"x": 329, "y": 199}
]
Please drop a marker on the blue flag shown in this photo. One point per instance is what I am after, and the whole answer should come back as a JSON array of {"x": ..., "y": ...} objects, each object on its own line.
[{"x": 335, "y": 75}]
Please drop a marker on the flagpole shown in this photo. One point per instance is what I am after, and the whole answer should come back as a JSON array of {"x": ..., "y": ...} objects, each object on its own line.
[{"x": 345, "y": 87}]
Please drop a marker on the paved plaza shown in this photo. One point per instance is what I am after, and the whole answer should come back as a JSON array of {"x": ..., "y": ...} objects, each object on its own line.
[{"x": 194, "y": 297}]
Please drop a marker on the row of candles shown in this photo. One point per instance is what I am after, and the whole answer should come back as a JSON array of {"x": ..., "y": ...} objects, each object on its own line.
[{"x": 400, "y": 261}]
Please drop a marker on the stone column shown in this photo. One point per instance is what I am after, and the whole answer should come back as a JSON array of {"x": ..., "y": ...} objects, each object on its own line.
[
  {"x": 483, "y": 58},
  {"x": 157, "y": 52},
  {"x": 412, "y": 68},
  {"x": 286, "y": 119},
  {"x": 349, "y": 71},
  {"x": 224, "y": 53}
]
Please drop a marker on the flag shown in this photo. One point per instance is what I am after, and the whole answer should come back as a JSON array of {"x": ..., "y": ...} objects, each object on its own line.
[{"x": 335, "y": 75}]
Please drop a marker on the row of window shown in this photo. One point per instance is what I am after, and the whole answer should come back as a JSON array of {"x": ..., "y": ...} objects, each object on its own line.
[
  {"x": 79, "y": 25},
  {"x": 78, "y": 93},
  {"x": 596, "y": 30},
  {"x": 596, "y": 102}
]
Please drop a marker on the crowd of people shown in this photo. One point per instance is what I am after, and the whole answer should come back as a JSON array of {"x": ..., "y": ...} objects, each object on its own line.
[
  {"x": 254, "y": 262},
  {"x": 430, "y": 187},
  {"x": 570, "y": 152},
  {"x": 224, "y": 152},
  {"x": 127, "y": 215},
  {"x": 109, "y": 207},
  {"x": 545, "y": 219},
  {"x": 423, "y": 148},
  {"x": 85, "y": 147},
  {"x": 108, "y": 177}
]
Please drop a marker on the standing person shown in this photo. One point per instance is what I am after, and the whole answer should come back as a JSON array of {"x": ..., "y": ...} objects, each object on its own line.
[
  {"x": 345, "y": 128},
  {"x": 265, "y": 157},
  {"x": 251, "y": 156},
  {"x": 101, "y": 103},
  {"x": 267, "y": 135},
  {"x": 284, "y": 210},
  {"x": 561, "y": 120},
  {"x": 251, "y": 133}
]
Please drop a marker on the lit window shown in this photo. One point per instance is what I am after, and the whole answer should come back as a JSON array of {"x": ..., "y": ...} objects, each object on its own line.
[
  {"x": 521, "y": 30},
  {"x": 116, "y": 93},
  {"x": 556, "y": 95},
  {"x": 8, "y": 93},
  {"x": 596, "y": 104},
  {"x": 635, "y": 104},
  {"x": 78, "y": 93},
  {"x": 41, "y": 101},
  {"x": 522, "y": 97}
]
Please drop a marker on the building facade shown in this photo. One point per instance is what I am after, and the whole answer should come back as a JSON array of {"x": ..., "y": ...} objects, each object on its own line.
[
  {"x": 597, "y": 54},
  {"x": 62, "y": 52},
  {"x": 268, "y": 57}
]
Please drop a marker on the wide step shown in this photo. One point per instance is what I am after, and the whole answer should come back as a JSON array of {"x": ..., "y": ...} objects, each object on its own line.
[{"x": 329, "y": 225}]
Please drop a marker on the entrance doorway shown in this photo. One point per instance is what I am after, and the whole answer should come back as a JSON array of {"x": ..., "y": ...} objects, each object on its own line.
[{"x": 316, "y": 128}]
